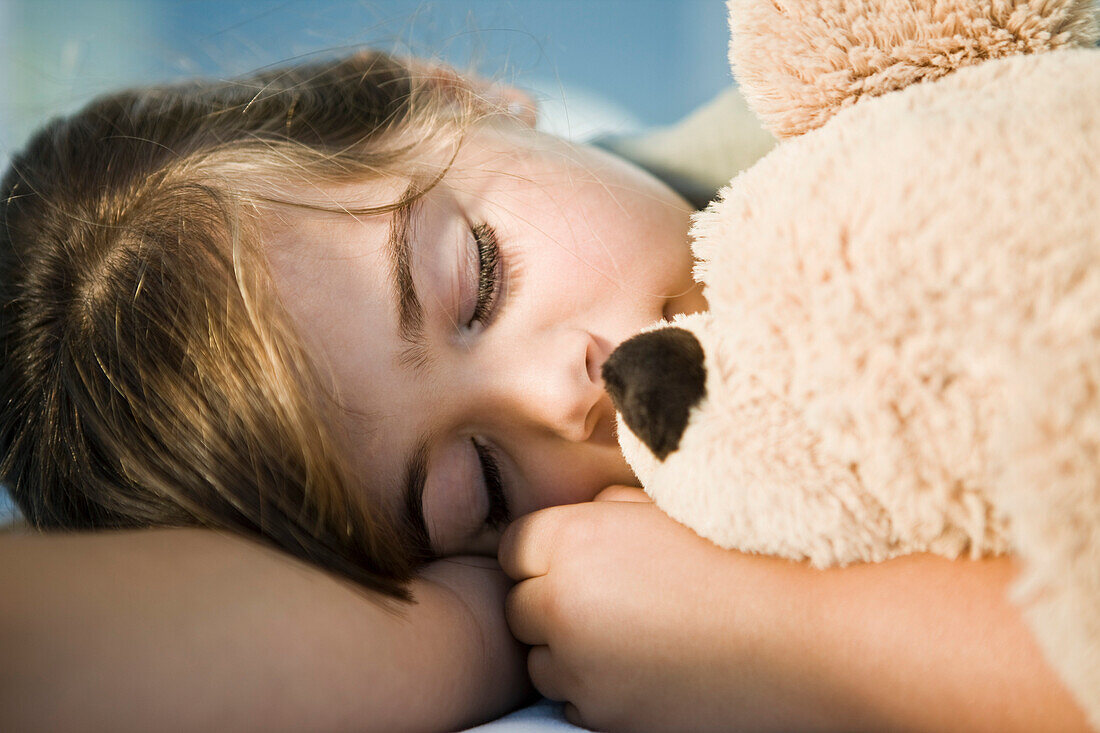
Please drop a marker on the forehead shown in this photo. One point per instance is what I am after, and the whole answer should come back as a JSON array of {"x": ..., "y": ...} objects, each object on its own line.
[
  {"x": 331, "y": 271},
  {"x": 320, "y": 262}
]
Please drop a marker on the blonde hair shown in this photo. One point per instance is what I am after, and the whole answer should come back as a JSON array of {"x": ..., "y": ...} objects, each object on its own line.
[{"x": 148, "y": 374}]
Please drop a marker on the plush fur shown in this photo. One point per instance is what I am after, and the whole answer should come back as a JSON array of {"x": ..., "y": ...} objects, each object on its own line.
[{"x": 903, "y": 347}]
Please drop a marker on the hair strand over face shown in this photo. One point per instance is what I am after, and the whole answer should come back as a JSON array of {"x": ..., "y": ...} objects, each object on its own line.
[{"x": 149, "y": 376}]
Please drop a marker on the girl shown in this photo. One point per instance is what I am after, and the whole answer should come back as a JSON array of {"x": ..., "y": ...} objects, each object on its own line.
[{"x": 356, "y": 311}]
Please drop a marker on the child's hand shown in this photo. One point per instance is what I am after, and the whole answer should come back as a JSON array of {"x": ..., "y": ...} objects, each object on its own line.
[
  {"x": 638, "y": 623},
  {"x": 641, "y": 625}
]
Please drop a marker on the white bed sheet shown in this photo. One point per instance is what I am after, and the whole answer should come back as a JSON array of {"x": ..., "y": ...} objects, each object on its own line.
[{"x": 544, "y": 716}]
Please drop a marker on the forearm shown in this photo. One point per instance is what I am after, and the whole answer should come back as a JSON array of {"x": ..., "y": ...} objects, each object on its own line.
[
  {"x": 184, "y": 629},
  {"x": 924, "y": 643}
]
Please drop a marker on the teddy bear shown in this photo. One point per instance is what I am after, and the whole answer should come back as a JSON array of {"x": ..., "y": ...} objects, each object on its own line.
[{"x": 902, "y": 349}]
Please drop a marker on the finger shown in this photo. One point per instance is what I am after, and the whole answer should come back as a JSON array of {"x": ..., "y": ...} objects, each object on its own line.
[
  {"x": 525, "y": 546},
  {"x": 524, "y": 612},
  {"x": 623, "y": 493},
  {"x": 543, "y": 673},
  {"x": 573, "y": 716}
]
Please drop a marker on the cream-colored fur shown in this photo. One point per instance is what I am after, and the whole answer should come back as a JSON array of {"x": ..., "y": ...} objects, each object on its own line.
[{"x": 903, "y": 346}]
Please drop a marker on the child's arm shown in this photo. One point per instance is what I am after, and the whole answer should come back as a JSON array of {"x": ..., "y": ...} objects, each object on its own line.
[
  {"x": 641, "y": 624},
  {"x": 188, "y": 629}
]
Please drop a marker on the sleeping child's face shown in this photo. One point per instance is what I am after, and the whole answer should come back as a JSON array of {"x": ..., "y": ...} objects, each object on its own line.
[{"x": 466, "y": 338}]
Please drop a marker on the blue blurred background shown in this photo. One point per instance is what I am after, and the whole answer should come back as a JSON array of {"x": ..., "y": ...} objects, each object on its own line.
[
  {"x": 619, "y": 64},
  {"x": 596, "y": 66}
]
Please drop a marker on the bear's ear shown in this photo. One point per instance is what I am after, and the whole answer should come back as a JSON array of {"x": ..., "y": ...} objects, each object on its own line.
[{"x": 800, "y": 61}]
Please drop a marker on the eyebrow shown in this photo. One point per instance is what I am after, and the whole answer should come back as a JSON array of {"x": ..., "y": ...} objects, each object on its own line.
[
  {"x": 410, "y": 312},
  {"x": 410, "y": 324},
  {"x": 416, "y": 476}
]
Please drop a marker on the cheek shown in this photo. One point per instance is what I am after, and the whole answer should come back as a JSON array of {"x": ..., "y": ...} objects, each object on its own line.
[
  {"x": 592, "y": 233},
  {"x": 548, "y": 493},
  {"x": 570, "y": 479},
  {"x": 646, "y": 242},
  {"x": 583, "y": 256}
]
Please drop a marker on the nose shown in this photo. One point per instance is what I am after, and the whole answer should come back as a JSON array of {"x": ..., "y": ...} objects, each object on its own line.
[{"x": 552, "y": 381}]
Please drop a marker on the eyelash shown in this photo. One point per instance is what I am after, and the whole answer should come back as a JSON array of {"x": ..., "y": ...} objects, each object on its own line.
[
  {"x": 488, "y": 272},
  {"x": 498, "y": 515},
  {"x": 488, "y": 285}
]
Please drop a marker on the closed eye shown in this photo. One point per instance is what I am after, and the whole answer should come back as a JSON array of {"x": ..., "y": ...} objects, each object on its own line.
[
  {"x": 499, "y": 515},
  {"x": 488, "y": 273}
]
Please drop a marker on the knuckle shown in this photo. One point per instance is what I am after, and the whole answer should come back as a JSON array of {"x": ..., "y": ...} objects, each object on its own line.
[
  {"x": 514, "y": 611},
  {"x": 509, "y": 540},
  {"x": 513, "y": 602},
  {"x": 605, "y": 714},
  {"x": 620, "y": 492},
  {"x": 520, "y": 531},
  {"x": 568, "y": 622},
  {"x": 579, "y": 529},
  {"x": 547, "y": 674},
  {"x": 538, "y": 669},
  {"x": 594, "y": 717},
  {"x": 556, "y": 611}
]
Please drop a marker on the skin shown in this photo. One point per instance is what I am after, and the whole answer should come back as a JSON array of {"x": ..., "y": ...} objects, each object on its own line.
[
  {"x": 641, "y": 625},
  {"x": 593, "y": 250},
  {"x": 596, "y": 250},
  {"x": 191, "y": 630}
]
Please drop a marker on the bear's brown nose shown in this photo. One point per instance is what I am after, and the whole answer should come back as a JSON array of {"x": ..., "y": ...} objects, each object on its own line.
[{"x": 654, "y": 379}]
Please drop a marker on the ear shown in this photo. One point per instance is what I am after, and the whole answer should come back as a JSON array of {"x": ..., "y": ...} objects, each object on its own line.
[
  {"x": 513, "y": 101},
  {"x": 518, "y": 102},
  {"x": 798, "y": 62},
  {"x": 508, "y": 99}
]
